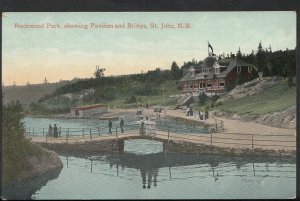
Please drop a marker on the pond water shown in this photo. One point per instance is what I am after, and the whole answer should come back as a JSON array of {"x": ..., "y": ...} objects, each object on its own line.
[
  {"x": 35, "y": 126},
  {"x": 143, "y": 172}
]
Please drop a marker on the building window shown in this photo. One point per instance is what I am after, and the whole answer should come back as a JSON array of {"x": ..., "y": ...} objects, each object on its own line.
[
  {"x": 222, "y": 84},
  {"x": 209, "y": 84},
  {"x": 249, "y": 69},
  {"x": 217, "y": 70},
  {"x": 204, "y": 85},
  {"x": 238, "y": 69}
]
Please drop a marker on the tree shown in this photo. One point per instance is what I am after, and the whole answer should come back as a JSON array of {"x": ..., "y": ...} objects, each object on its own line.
[
  {"x": 175, "y": 71},
  {"x": 13, "y": 140},
  {"x": 261, "y": 60},
  {"x": 99, "y": 72},
  {"x": 239, "y": 54},
  {"x": 202, "y": 98}
]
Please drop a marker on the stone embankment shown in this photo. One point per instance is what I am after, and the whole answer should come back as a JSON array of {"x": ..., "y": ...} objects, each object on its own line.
[
  {"x": 39, "y": 169},
  {"x": 284, "y": 119},
  {"x": 40, "y": 164}
]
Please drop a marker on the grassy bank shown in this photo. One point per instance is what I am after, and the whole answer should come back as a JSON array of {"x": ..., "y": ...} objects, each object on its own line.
[
  {"x": 274, "y": 99},
  {"x": 63, "y": 103},
  {"x": 16, "y": 149}
]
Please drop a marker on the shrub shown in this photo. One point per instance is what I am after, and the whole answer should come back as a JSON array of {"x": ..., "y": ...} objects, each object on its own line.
[{"x": 202, "y": 98}]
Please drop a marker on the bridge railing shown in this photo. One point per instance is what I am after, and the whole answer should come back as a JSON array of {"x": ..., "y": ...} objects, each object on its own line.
[
  {"x": 82, "y": 133},
  {"x": 243, "y": 140},
  {"x": 166, "y": 132}
]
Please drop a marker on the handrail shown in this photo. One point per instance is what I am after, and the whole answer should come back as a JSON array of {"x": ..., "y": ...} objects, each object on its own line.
[{"x": 165, "y": 133}]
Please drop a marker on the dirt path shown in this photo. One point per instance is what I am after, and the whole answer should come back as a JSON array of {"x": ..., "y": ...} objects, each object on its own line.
[{"x": 237, "y": 126}]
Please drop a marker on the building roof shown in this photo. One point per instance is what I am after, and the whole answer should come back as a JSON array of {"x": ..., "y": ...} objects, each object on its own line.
[
  {"x": 229, "y": 63},
  {"x": 208, "y": 62},
  {"x": 85, "y": 107}
]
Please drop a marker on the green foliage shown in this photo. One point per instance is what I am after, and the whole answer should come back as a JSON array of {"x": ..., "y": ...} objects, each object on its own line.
[
  {"x": 290, "y": 81},
  {"x": 99, "y": 72},
  {"x": 202, "y": 99},
  {"x": 132, "y": 99},
  {"x": 274, "y": 99},
  {"x": 14, "y": 145},
  {"x": 215, "y": 97},
  {"x": 175, "y": 71},
  {"x": 281, "y": 63}
]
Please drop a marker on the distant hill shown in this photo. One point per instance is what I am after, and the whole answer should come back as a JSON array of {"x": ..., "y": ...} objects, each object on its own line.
[{"x": 30, "y": 93}]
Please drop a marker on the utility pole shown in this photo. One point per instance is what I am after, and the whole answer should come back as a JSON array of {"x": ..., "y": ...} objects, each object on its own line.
[{"x": 163, "y": 97}]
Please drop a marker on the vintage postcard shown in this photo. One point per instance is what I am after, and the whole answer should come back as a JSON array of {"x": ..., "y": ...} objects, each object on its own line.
[{"x": 149, "y": 105}]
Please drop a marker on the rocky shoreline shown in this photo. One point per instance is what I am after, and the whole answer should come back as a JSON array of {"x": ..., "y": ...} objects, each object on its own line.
[
  {"x": 284, "y": 119},
  {"x": 36, "y": 167}
]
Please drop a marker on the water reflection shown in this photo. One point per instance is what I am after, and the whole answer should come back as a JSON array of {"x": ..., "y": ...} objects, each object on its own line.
[
  {"x": 173, "y": 176},
  {"x": 185, "y": 166},
  {"x": 147, "y": 176},
  {"x": 26, "y": 188}
]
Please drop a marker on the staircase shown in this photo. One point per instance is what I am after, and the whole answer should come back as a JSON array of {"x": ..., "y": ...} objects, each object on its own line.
[{"x": 183, "y": 101}]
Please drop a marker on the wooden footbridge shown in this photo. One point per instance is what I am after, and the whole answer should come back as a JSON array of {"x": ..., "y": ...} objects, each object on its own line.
[{"x": 91, "y": 140}]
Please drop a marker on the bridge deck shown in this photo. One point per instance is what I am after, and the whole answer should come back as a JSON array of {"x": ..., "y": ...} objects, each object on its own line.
[{"x": 230, "y": 140}]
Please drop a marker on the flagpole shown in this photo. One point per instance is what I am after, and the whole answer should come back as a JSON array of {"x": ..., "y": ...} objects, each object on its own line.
[{"x": 207, "y": 48}]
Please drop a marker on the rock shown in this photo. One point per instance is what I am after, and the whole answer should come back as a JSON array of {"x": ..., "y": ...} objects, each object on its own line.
[
  {"x": 284, "y": 119},
  {"x": 48, "y": 160},
  {"x": 251, "y": 88}
]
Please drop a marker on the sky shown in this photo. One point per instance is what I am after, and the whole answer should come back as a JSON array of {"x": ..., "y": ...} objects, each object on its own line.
[{"x": 61, "y": 53}]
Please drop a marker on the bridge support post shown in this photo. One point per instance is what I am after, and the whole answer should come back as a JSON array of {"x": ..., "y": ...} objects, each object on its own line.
[
  {"x": 211, "y": 138},
  {"x": 67, "y": 136},
  {"x": 252, "y": 141},
  {"x": 168, "y": 134},
  {"x": 91, "y": 135},
  {"x": 99, "y": 131},
  {"x": 116, "y": 132},
  {"x": 83, "y": 132},
  {"x": 121, "y": 146},
  {"x": 46, "y": 137}
]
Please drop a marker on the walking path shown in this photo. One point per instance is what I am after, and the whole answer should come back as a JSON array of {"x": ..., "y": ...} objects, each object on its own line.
[
  {"x": 237, "y": 126},
  {"x": 236, "y": 134}
]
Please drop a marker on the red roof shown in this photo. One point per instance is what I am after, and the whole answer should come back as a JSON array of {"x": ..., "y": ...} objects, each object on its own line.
[{"x": 85, "y": 107}]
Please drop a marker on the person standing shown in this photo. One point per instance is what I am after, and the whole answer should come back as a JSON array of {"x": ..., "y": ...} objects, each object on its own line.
[
  {"x": 206, "y": 114},
  {"x": 121, "y": 125},
  {"x": 50, "y": 131},
  {"x": 142, "y": 127},
  {"x": 55, "y": 131},
  {"x": 109, "y": 127}
]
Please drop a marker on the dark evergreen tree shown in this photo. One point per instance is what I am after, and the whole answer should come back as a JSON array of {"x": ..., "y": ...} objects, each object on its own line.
[
  {"x": 239, "y": 54},
  {"x": 175, "y": 71},
  {"x": 261, "y": 61}
]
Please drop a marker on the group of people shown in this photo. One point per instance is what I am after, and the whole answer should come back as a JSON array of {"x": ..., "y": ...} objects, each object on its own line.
[
  {"x": 203, "y": 115},
  {"x": 53, "y": 131},
  {"x": 189, "y": 112},
  {"x": 147, "y": 126},
  {"x": 110, "y": 126}
]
